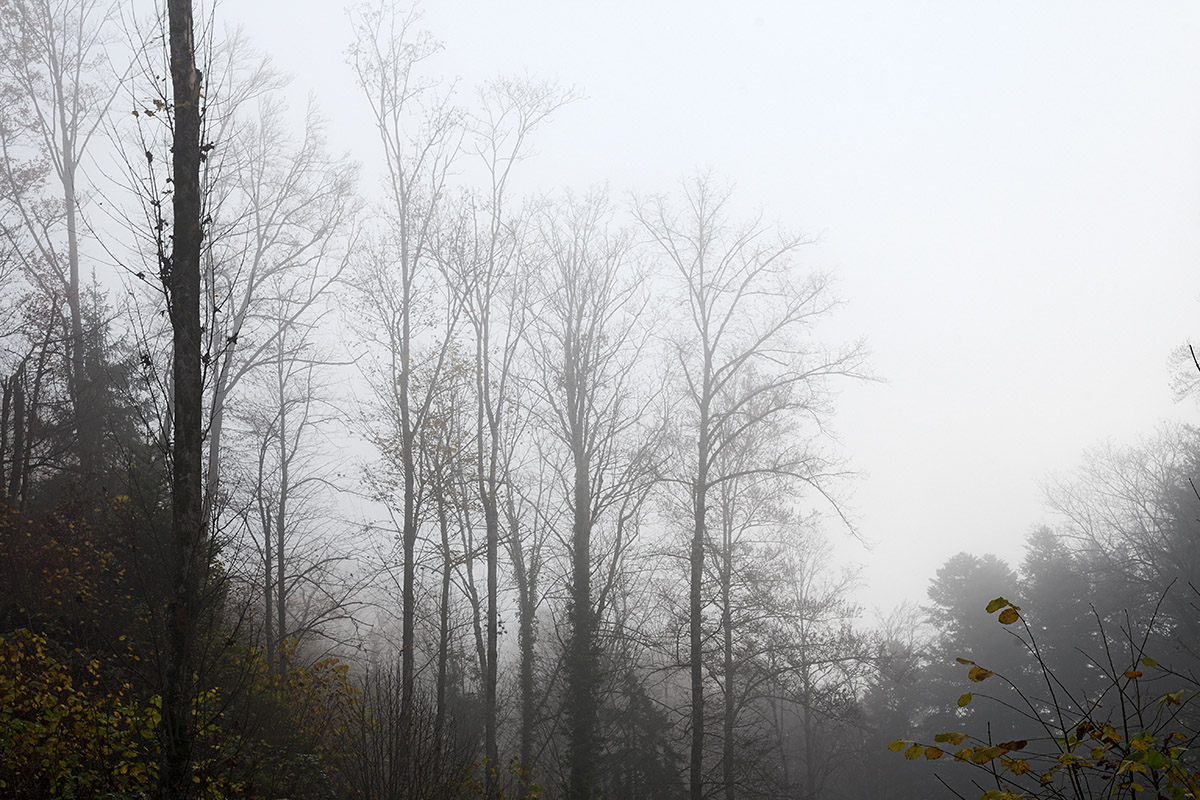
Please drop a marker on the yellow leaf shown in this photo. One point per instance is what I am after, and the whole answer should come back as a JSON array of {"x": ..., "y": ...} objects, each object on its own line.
[
  {"x": 951, "y": 738},
  {"x": 962, "y": 660},
  {"x": 978, "y": 674},
  {"x": 964, "y": 700},
  {"x": 1018, "y": 766},
  {"x": 984, "y": 754},
  {"x": 1008, "y": 616},
  {"x": 897, "y": 745},
  {"x": 996, "y": 605},
  {"x": 914, "y": 752}
]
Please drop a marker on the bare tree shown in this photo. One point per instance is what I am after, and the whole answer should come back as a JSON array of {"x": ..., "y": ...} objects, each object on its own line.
[
  {"x": 52, "y": 52},
  {"x": 588, "y": 343},
  {"x": 420, "y": 133},
  {"x": 446, "y": 451},
  {"x": 486, "y": 273},
  {"x": 532, "y": 515},
  {"x": 290, "y": 485},
  {"x": 284, "y": 237},
  {"x": 744, "y": 362}
]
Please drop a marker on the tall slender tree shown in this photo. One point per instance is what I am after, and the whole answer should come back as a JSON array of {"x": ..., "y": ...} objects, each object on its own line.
[
  {"x": 52, "y": 54},
  {"x": 189, "y": 550},
  {"x": 744, "y": 362},
  {"x": 420, "y": 133},
  {"x": 484, "y": 266},
  {"x": 588, "y": 346}
]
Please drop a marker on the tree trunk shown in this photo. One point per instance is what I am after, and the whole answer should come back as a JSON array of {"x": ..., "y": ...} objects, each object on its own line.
[
  {"x": 268, "y": 531},
  {"x": 443, "y": 621},
  {"x": 695, "y": 608},
  {"x": 492, "y": 520},
  {"x": 188, "y": 534},
  {"x": 408, "y": 621},
  {"x": 728, "y": 748},
  {"x": 696, "y": 649},
  {"x": 581, "y": 664},
  {"x": 5, "y": 410},
  {"x": 488, "y": 451},
  {"x": 526, "y": 595},
  {"x": 281, "y": 527},
  {"x": 18, "y": 437},
  {"x": 409, "y": 463},
  {"x": 86, "y": 428}
]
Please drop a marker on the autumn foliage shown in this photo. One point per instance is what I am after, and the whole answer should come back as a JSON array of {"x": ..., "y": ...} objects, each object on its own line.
[{"x": 1130, "y": 733}]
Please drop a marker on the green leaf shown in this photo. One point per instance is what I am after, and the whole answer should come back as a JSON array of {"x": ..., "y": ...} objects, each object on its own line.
[
  {"x": 997, "y": 604},
  {"x": 964, "y": 700},
  {"x": 1147, "y": 661},
  {"x": 897, "y": 745},
  {"x": 914, "y": 752}
]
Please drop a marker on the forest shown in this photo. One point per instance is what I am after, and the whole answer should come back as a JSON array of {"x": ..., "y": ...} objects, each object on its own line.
[{"x": 379, "y": 477}]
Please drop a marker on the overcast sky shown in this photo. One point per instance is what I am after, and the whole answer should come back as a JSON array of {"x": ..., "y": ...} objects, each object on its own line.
[{"x": 1007, "y": 192}]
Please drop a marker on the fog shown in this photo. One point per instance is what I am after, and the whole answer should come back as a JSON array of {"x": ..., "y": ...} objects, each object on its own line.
[
  {"x": 523, "y": 400},
  {"x": 1006, "y": 195}
]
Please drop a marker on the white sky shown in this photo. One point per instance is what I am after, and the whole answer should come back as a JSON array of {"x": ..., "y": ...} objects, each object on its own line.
[{"x": 1008, "y": 193}]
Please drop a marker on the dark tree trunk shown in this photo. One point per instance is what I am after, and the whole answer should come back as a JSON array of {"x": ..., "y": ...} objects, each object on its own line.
[
  {"x": 492, "y": 520},
  {"x": 526, "y": 594},
  {"x": 728, "y": 749},
  {"x": 695, "y": 597},
  {"x": 443, "y": 620},
  {"x": 408, "y": 622},
  {"x": 188, "y": 552},
  {"x": 18, "y": 436},
  {"x": 281, "y": 632},
  {"x": 269, "y": 583},
  {"x": 5, "y": 410},
  {"x": 82, "y": 401},
  {"x": 582, "y": 669}
]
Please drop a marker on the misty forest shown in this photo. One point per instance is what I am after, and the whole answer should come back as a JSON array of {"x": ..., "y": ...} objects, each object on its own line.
[{"x": 379, "y": 475}]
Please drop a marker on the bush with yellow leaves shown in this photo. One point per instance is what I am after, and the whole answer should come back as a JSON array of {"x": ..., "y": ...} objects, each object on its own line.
[
  {"x": 1132, "y": 737},
  {"x": 66, "y": 731}
]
